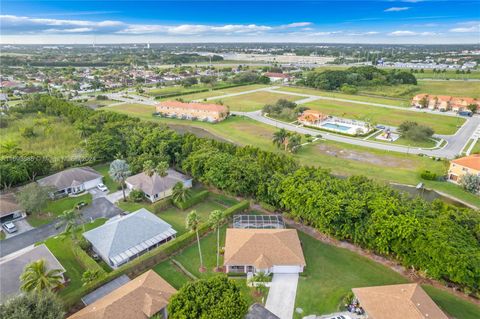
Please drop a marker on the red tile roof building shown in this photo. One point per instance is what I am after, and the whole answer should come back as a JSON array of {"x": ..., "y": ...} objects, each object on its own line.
[
  {"x": 311, "y": 117},
  {"x": 193, "y": 111},
  {"x": 444, "y": 102}
]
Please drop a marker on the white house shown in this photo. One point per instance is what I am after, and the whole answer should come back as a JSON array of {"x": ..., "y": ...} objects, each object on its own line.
[
  {"x": 277, "y": 77},
  {"x": 263, "y": 250},
  {"x": 156, "y": 187},
  {"x": 72, "y": 181}
]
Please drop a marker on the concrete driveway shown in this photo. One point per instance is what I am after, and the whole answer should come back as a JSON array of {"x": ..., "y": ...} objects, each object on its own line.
[
  {"x": 116, "y": 196},
  {"x": 281, "y": 296},
  {"x": 100, "y": 207}
]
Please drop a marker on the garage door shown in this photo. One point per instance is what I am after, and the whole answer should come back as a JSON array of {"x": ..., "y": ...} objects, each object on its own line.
[
  {"x": 93, "y": 183},
  {"x": 286, "y": 269}
]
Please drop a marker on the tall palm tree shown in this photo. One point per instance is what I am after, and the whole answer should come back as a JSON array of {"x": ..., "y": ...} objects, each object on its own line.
[
  {"x": 293, "y": 143},
  {"x": 69, "y": 219},
  {"x": 162, "y": 169},
  {"x": 36, "y": 277},
  {"x": 192, "y": 223},
  {"x": 180, "y": 194},
  {"x": 119, "y": 171},
  {"x": 216, "y": 219},
  {"x": 279, "y": 137}
]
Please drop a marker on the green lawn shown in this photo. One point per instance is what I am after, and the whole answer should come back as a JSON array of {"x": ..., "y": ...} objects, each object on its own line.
[
  {"x": 60, "y": 247},
  {"x": 107, "y": 180},
  {"x": 60, "y": 142},
  {"x": 332, "y": 272},
  {"x": 2, "y": 235},
  {"x": 476, "y": 148},
  {"x": 340, "y": 158},
  {"x": 428, "y": 74},
  {"x": 176, "y": 217},
  {"x": 55, "y": 208},
  {"x": 454, "y": 88},
  {"x": 338, "y": 95},
  {"x": 254, "y": 101},
  {"x": 403, "y": 141},
  {"x": 212, "y": 93},
  {"x": 380, "y": 115}
]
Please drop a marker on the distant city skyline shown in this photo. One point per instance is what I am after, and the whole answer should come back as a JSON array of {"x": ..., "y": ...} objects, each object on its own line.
[{"x": 388, "y": 22}]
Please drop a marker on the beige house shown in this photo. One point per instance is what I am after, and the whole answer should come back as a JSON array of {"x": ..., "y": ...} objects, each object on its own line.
[
  {"x": 311, "y": 117},
  {"x": 405, "y": 301},
  {"x": 156, "y": 187},
  {"x": 462, "y": 166},
  {"x": 141, "y": 298},
  {"x": 263, "y": 250},
  {"x": 193, "y": 111},
  {"x": 444, "y": 102}
]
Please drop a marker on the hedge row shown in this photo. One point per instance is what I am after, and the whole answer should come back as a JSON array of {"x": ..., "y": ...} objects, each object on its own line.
[
  {"x": 174, "y": 94},
  {"x": 161, "y": 205},
  {"x": 195, "y": 199},
  {"x": 86, "y": 261},
  {"x": 149, "y": 259}
]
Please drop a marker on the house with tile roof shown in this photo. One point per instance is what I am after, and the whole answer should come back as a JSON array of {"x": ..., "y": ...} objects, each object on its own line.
[
  {"x": 404, "y": 301},
  {"x": 72, "y": 181},
  {"x": 444, "y": 102},
  {"x": 125, "y": 237},
  {"x": 263, "y": 250},
  {"x": 311, "y": 117},
  {"x": 156, "y": 187},
  {"x": 141, "y": 298},
  {"x": 277, "y": 77},
  {"x": 462, "y": 166},
  {"x": 193, "y": 111}
]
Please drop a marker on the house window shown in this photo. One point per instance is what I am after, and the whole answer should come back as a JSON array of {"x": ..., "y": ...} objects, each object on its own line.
[
  {"x": 237, "y": 268},
  {"x": 465, "y": 169}
]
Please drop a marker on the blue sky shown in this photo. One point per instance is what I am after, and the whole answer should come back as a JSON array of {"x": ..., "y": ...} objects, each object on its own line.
[{"x": 408, "y": 21}]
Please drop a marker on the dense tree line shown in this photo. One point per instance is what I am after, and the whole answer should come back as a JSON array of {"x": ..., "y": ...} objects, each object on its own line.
[
  {"x": 357, "y": 76},
  {"x": 440, "y": 240}
]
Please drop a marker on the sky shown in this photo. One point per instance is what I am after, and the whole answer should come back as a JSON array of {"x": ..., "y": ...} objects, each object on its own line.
[{"x": 108, "y": 21}]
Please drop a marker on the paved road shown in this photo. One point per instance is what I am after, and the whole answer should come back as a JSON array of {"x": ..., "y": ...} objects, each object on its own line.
[
  {"x": 100, "y": 207},
  {"x": 455, "y": 143},
  {"x": 281, "y": 296}
]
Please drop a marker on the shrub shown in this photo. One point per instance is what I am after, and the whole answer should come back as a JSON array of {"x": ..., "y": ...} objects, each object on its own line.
[
  {"x": 136, "y": 196},
  {"x": 267, "y": 206},
  {"x": 429, "y": 176},
  {"x": 84, "y": 244},
  {"x": 161, "y": 205},
  {"x": 86, "y": 261},
  {"x": 193, "y": 200}
]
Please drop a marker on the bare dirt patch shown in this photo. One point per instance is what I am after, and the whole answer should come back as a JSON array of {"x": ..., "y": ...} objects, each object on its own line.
[{"x": 365, "y": 157}]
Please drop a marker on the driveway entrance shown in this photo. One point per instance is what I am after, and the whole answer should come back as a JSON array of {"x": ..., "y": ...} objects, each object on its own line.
[{"x": 281, "y": 296}]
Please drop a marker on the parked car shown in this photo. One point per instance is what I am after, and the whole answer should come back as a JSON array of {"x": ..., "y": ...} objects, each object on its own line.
[
  {"x": 9, "y": 227},
  {"x": 80, "y": 205},
  {"x": 102, "y": 187}
]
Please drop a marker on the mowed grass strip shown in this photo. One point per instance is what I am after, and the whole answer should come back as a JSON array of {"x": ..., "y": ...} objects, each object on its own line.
[
  {"x": 254, "y": 101},
  {"x": 454, "y": 88},
  {"x": 381, "y": 115}
]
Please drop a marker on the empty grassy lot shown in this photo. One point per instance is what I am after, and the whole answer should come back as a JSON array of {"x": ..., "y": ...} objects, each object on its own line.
[
  {"x": 58, "y": 142},
  {"x": 439, "y": 123},
  {"x": 338, "y": 95},
  {"x": 332, "y": 272},
  {"x": 212, "y": 93},
  {"x": 254, "y": 101},
  {"x": 340, "y": 158}
]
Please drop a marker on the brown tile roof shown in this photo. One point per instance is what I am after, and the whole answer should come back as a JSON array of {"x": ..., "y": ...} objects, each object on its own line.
[
  {"x": 140, "y": 298},
  {"x": 405, "y": 301},
  {"x": 8, "y": 204},
  {"x": 312, "y": 116},
  {"x": 472, "y": 161},
  {"x": 276, "y": 75},
  {"x": 263, "y": 248},
  {"x": 193, "y": 106}
]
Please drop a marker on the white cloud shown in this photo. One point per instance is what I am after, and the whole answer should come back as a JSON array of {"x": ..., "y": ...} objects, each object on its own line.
[
  {"x": 296, "y": 25},
  {"x": 406, "y": 33},
  {"x": 465, "y": 30},
  {"x": 396, "y": 9},
  {"x": 189, "y": 29},
  {"x": 363, "y": 33},
  {"x": 73, "y": 30}
]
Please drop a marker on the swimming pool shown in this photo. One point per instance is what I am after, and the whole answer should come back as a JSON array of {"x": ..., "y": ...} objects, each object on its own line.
[{"x": 336, "y": 127}]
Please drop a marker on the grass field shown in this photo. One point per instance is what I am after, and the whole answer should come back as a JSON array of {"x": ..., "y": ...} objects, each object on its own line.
[
  {"x": 60, "y": 247},
  {"x": 107, "y": 180},
  {"x": 476, "y": 148},
  {"x": 428, "y": 74},
  {"x": 176, "y": 217},
  {"x": 340, "y": 158},
  {"x": 62, "y": 141},
  {"x": 189, "y": 93},
  {"x": 55, "y": 208},
  {"x": 338, "y": 95},
  {"x": 332, "y": 272},
  {"x": 254, "y": 101},
  {"x": 204, "y": 95},
  {"x": 380, "y": 115}
]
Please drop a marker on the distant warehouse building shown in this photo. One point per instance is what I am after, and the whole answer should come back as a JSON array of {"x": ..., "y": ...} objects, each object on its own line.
[
  {"x": 193, "y": 111},
  {"x": 277, "y": 77}
]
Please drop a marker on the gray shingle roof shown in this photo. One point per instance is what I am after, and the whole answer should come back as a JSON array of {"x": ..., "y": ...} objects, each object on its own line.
[
  {"x": 70, "y": 177},
  {"x": 156, "y": 184},
  {"x": 12, "y": 268},
  {"x": 124, "y": 236}
]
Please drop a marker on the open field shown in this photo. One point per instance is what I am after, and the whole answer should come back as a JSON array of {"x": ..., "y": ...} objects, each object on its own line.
[
  {"x": 254, "y": 101},
  {"x": 338, "y": 95},
  {"x": 55, "y": 208},
  {"x": 212, "y": 93},
  {"x": 340, "y": 158},
  {"x": 60, "y": 247},
  {"x": 380, "y": 115},
  {"x": 449, "y": 75},
  {"x": 332, "y": 272},
  {"x": 58, "y": 142}
]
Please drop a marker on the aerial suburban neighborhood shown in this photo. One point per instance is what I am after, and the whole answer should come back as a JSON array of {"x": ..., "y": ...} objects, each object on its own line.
[{"x": 239, "y": 160}]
